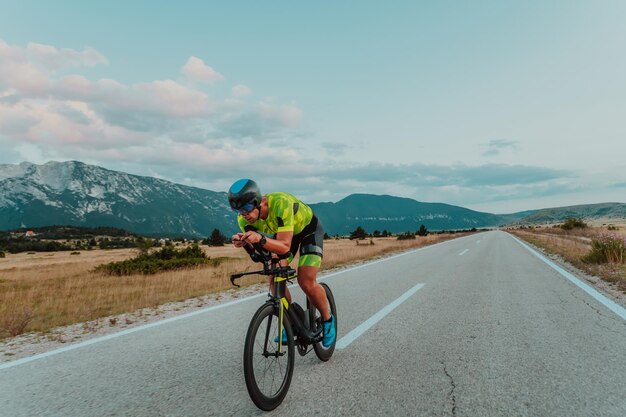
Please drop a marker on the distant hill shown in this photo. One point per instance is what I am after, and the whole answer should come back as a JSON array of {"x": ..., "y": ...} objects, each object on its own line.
[
  {"x": 585, "y": 211},
  {"x": 396, "y": 214}
]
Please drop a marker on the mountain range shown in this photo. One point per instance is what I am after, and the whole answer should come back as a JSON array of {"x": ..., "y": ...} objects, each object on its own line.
[{"x": 74, "y": 193}]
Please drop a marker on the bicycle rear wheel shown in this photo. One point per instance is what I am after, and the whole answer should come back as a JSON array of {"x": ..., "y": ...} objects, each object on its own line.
[
  {"x": 315, "y": 317},
  {"x": 267, "y": 371}
]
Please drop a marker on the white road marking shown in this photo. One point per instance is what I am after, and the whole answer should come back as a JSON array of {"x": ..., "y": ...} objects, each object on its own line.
[
  {"x": 363, "y": 327},
  {"x": 608, "y": 303},
  {"x": 464, "y": 252}
]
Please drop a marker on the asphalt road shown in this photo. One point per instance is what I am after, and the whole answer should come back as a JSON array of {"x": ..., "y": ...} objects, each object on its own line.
[{"x": 493, "y": 331}]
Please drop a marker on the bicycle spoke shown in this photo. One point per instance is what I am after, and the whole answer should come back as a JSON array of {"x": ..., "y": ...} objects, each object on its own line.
[{"x": 270, "y": 371}]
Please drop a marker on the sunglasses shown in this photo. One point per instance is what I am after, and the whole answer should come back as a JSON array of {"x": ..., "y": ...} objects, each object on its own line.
[{"x": 245, "y": 209}]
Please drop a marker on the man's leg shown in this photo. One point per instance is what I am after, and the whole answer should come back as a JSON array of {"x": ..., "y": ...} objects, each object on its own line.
[
  {"x": 287, "y": 293},
  {"x": 307, "y": 279}
]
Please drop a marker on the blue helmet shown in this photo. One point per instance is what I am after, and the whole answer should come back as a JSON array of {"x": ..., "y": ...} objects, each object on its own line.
[{"x": 244, "y": 194}]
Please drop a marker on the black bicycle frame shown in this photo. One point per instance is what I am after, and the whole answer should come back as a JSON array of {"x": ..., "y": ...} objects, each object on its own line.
[
  {"x": 301, "y": 329},
  {"x": 282, "y": 275}
]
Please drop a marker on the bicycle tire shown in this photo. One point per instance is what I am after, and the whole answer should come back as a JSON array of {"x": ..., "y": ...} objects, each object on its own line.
[
  {"x": 267, "y": 395},
  {"x": 323, "y": 353}
]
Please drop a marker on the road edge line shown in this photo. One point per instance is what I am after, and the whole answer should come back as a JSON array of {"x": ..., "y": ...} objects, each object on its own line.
[{"x": 597, "y": 295}]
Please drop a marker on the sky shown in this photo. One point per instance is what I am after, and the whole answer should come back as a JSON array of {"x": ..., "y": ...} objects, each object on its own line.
[{"x": 497, "y": 106}]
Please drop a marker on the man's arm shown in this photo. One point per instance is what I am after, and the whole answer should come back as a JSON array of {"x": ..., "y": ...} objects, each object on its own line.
[{"x": 280, "y": 245}]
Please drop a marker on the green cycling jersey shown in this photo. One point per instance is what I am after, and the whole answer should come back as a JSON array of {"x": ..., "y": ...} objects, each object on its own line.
[{"x": 285, "y": 214}]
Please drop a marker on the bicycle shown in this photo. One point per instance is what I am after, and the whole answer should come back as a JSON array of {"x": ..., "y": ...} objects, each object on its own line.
[{"x": 268, "y": 364}]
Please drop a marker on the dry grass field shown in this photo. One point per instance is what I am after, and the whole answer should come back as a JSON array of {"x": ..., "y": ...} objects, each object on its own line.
[
  {"x": 573, "y": 245},
  {"x": 40, "y": 291}
]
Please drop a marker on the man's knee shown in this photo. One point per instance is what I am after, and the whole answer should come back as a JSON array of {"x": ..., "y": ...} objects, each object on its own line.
[
  {"x": 306, "y": 284},
  {"x": 307, "y": 278}
]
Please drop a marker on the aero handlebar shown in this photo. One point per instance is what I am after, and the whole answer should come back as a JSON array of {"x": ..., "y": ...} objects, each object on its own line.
[{"x": 270, "y": 264}]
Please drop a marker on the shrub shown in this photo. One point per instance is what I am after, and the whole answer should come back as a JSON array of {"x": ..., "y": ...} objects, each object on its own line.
[
  {"x": 144, "y": 245},
  {"x": 75, "y": 253},
  {"x": 167, "y": 258},
  {"x": 2, "y": 255},
  {"x": 607, "y": 248},
  {"x": 406, "y": 236},
  {"x": 148, "y": 266},
  {"x": 572, "y": 223},
  {"x": 117, "y": 243},
  {"x": 14, "y": 323}
]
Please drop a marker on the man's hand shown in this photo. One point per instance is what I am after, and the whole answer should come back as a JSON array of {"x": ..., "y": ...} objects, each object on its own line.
[
  {"x": 241, "y": 239},
  {"x": 251, "y": 237},
  {"x": 238, "y": 240}
]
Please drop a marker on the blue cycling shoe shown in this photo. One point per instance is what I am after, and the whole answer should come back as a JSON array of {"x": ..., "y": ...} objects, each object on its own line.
[
  {"x": 329, "y": 332},
  {"x": 285, "y": 340}
]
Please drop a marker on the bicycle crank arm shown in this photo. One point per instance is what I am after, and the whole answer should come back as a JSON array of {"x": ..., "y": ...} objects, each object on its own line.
[{"x": 313, "y": 337}]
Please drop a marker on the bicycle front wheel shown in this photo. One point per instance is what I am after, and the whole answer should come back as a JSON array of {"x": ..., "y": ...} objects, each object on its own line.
[{"x": 267, "y": 371}]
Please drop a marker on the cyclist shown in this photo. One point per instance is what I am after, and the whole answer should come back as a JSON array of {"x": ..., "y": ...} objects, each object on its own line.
[{"x": 292, "y": 225}]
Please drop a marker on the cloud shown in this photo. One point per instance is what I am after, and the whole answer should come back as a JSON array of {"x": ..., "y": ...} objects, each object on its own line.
[
  {"x": 265, "y": 120},
  {"x": 496, "y": 146},
  {"x": 196, "y": 70},
  {"x": 14, "y": 121},
  {"x": 288, "y": 115},
  {"x": 28, "y": 69},
  {"x": 241, "y": 90},
  {"x": 455, "y": 175},
  {"x": 17, "y": 74},
  {"x": 63, "y": 113},
  {"x": 54, "y": 59},
  {"x": 169, "y": 98},
  {"x": 335, "y": 148}
]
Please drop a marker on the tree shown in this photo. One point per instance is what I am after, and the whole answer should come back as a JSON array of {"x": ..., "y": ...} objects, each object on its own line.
[
  {"x": 422, "y": 231},
  {"x": 376, "y": 233},
  {"x": 359, "y": 233},
  {"x": 104, "y": 243},
  {"x": 216, "y": 238},
  {"x": 385, "y": 233},
  {"x": 144, "y": 245}
]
